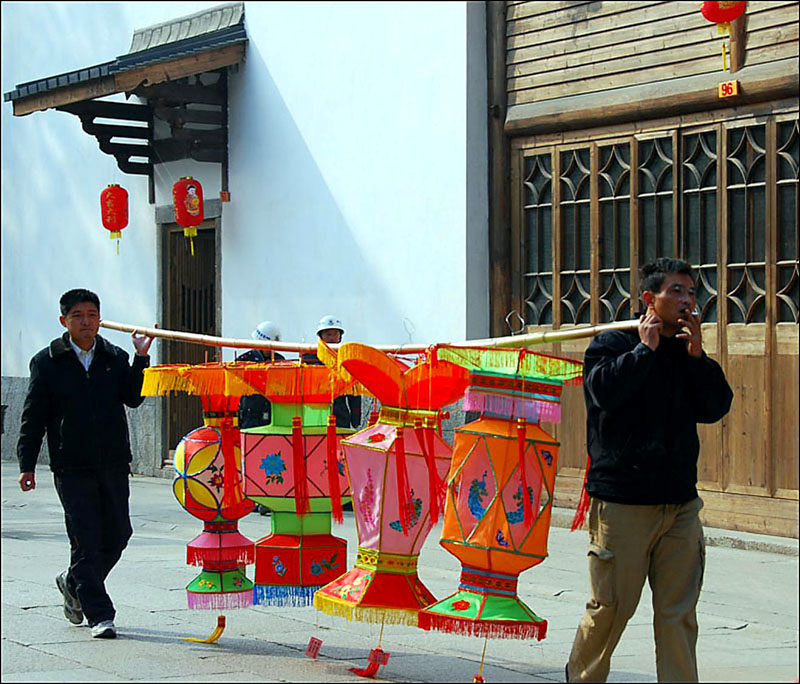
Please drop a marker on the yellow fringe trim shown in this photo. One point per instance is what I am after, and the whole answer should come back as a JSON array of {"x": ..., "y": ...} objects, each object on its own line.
[
  {"x": 161, "y": 380},
  {"x": 330, "y": 606},
  {"x": 392, "y": 415}
]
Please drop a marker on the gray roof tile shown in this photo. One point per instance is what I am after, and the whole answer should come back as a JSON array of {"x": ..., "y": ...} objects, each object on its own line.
[
  {"x": 215, "y": 19},
  {"x": 220, "y": 26}
]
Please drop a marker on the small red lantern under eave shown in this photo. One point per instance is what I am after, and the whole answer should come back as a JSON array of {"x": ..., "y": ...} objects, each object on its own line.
[
  {"x": 723, "y": 12},
  {"x": 114, "y": 210},
  {"x": 187, "y": 200}
]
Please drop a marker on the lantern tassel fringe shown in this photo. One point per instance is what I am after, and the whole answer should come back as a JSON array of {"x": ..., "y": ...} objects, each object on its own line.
[
  {"x": 376, "y": 616},
  {"x": 295, "y": 596},
  {"x": 505, "y": 406},
  {"x": 496, "y": 629},
  {"x": 239, "y": 556},
  {"x": 229, "y": 600}
]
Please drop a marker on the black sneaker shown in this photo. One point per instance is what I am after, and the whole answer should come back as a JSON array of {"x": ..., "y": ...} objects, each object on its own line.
[{"x": 72, "y": 605}]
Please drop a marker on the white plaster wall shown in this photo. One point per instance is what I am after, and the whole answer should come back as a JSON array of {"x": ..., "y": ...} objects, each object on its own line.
[
  {"x": 52, "y": 176},
  {"x": 348, "y": 174},
  {"x": 349, "y": 179}
]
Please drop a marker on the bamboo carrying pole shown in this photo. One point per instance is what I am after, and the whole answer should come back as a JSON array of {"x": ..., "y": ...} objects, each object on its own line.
[{"x": 527, "y": 340}]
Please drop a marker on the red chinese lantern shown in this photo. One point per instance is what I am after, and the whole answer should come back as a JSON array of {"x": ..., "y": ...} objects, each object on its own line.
[
  {"x": 187, "y": 200},
  {"x": 722, "y": 13},
  {"x": 114, "y": 210}
]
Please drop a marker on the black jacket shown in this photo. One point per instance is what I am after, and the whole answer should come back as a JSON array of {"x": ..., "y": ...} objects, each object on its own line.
[
  {"x": 255, "y": 410},
  {"x": 83, "y": 412},
  {"x": 643, "y": 407}
]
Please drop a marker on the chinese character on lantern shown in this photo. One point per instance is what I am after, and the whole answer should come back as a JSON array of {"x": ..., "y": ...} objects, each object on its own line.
[
  {"x": 114, "y": 210},
  {"x": 722, "y": 13},
  {"x": 187, "y": 200}
]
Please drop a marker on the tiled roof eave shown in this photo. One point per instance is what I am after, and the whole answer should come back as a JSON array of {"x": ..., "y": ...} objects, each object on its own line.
[{"x": 170, "y": 51}]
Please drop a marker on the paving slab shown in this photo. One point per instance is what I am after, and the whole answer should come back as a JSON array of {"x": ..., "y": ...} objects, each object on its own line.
[{"x": 747, "y": 614}]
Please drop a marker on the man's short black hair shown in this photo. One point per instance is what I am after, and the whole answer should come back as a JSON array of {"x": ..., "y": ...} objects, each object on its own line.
[
  {"x": 654, "y": 272},
  {"x": 78, "y": 296}
]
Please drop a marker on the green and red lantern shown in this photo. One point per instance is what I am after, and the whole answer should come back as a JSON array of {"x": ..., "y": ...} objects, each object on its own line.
[
  {"x": 114, "y": 210},
  {"x": 187, "y": 200}
]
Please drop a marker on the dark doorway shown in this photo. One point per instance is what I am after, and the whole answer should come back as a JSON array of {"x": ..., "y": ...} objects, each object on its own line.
[{"x": 190, "y": 305}]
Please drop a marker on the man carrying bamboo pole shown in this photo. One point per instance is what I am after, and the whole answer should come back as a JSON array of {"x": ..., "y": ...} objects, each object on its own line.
[
  {"x": 79, "y": 387},
  {"x": 645, "y": 392}
]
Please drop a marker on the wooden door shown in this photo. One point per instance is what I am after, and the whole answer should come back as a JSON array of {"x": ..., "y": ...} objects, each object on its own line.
[{"x": 190, "y": 305}]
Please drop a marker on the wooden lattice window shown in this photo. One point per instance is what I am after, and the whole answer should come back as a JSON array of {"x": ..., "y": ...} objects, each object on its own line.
[
  {"x": 699, "y": 215},
  {"x": 538, "y": 221},
  {"x": 747, "y": 220},
  {"x": 788, "y": 275},
  {"x": 584, "y": 237},
  {"x": 614, "y": 197},
  {"x": 656, "y": 206},
  {"x": 575, "y": 214}
]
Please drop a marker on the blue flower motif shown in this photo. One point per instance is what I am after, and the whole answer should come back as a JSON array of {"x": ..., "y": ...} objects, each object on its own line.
[
  {"x": 273, "y": 466},
  {"x": 316, "y": 569}
]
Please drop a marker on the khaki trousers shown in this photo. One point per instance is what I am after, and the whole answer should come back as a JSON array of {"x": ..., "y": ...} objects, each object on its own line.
[{"x": 627, "y": 544}]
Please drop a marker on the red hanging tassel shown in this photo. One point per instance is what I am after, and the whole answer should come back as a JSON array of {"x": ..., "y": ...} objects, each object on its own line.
[
  {"x": 333, "y": 472},
  {"x": 369, "y": 671},
  {"x": 435, "y": 485},
  {"x": 373, "y": 418},
  {"x": 521, "y": 443},
  {"x": 299, "y": 467},
  {"x": 583, "y": 502},
  {"x": 403, "y": 492},
  {"x": 231, "y": 481}
]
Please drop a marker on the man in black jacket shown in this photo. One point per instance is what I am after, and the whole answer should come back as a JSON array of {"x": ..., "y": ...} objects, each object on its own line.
[
  {"x": 645, "y": 393},
  {"x": 79, "y": 387}
]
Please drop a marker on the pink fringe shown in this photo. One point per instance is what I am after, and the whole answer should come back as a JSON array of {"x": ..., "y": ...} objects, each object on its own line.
[
  {"x": 533, "y": 410},
  {"x": 233, "y": 556},
  {"x": 492, "y": 629},
  {"x": 220, "y": 601}
]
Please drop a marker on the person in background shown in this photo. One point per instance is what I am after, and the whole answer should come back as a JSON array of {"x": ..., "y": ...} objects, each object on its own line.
[
  {"x": 78, "y": 389},
  {"x": 645, "y": 392},
  {"x": 346, "y": 408},
  {"x": 255, "y": 410}
]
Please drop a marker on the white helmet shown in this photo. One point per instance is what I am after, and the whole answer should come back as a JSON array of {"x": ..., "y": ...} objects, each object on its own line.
[
  {"x": 329, "y": 323},
  {"x": 266, "y": 330}
]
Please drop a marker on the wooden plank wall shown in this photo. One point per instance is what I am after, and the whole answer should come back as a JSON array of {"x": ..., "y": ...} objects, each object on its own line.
[{"x": 557, "y": 49}]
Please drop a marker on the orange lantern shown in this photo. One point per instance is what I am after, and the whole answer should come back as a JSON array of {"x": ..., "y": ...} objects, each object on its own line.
[
  {"x": 114, "y": 210},
  {"x": 187, "y": 200},
  {"x": 722, "y": 13}
]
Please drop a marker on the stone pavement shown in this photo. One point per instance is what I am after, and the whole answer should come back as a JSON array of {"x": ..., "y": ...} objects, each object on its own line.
[{"x": 748, "y": 611}]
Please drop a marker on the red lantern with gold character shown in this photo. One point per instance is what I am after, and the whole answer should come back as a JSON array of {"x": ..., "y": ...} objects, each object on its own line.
[
  {"x": 722, "y": 13},
  {"x": 114, "y": 210},
  {"x": 187, "y": 200}
]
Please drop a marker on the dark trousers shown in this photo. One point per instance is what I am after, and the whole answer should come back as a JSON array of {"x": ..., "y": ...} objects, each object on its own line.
[{"x": 98, "y": 525}]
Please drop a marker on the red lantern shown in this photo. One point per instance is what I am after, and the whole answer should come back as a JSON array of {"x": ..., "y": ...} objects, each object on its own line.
[
  {"x": 114, "y": 210},
  {"x": 723, "y": 13},
  {"x": 187, "y": 200}
]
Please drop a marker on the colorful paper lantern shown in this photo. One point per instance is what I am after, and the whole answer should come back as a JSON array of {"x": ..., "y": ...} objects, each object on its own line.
[
  {"x": 722, "y": 13},
  {"x": 292, "y": 466},
  {"x": 220, "y": 549},
  {"x": 490, "y": 525},
  {"x": 114, "y": 210},
  {"x": 396, "y": 468},
  {"x": 208, "y": 482},
  {"x": 187, "y": 201}
]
